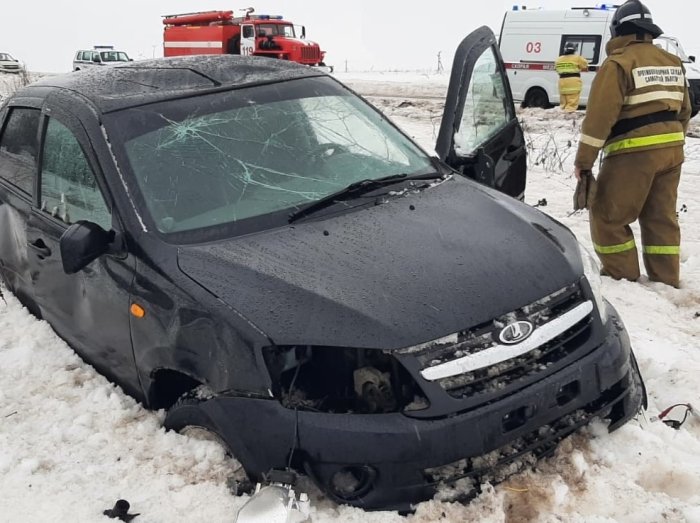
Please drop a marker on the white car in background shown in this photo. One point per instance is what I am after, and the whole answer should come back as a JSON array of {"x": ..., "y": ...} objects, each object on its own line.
[
  {"x": 98, "y": 56},
  {"x": 8, "y": 64}
]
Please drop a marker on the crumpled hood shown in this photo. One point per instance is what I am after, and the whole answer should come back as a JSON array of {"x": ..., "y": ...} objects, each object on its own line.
[{"x": 405, "y": 272}]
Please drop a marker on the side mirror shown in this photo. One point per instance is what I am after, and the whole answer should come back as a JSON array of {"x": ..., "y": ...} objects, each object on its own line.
[
  {"x": 82, "y": 243},
  {"x": 692, "y": 58},
  {"x": 303, "y": 32},
  {"x": 96, "y": 59},
  {"x": 131, "y": 59}
]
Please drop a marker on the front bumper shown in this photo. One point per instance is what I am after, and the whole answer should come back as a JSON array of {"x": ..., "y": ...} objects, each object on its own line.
[{"x": 403, "y": 453}]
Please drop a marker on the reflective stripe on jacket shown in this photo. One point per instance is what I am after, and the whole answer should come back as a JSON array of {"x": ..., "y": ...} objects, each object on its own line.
[
  {"x": 636, "y": 79},
  {"x": 570, "y": 64}
]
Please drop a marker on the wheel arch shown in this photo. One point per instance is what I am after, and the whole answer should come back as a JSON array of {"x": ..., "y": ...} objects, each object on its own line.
[{"x": 167, "y": 386}]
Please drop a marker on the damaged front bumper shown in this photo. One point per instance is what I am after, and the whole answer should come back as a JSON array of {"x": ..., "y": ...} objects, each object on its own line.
[{"x": 391, "y": 461}]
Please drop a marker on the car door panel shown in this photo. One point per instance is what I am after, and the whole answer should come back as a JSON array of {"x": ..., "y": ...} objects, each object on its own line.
[
  {"x": 89, "y": 309},
  {"x": 20, "y": 127},
  {"x": 480, "y": 135}
]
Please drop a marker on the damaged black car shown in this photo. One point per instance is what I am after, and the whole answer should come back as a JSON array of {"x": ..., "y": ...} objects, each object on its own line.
[{"x": 250, "y": 245}]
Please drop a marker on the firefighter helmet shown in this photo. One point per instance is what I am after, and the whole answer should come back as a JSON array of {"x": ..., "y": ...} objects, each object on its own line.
[{"x": 633, "y": 17}]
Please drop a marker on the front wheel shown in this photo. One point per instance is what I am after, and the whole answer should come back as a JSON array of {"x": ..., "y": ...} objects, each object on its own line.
[{"x": 187, "y": 417}]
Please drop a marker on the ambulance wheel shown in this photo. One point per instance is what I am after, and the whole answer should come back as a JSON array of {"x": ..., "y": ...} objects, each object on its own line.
[{"x": 536, "y": 97}]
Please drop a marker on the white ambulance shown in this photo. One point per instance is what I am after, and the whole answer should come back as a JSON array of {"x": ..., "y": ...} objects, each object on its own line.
[{"x": 532, "y": 39}]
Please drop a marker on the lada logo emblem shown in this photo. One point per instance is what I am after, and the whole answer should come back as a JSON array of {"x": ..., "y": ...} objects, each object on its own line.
[{"x": 515, "y": 332}]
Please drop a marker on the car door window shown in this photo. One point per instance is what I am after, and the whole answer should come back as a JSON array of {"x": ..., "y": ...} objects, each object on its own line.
[
  {"x": 18, "y": 148},
  {"x": 69, "y": 190},
  {"x": 485, "y": 109}
]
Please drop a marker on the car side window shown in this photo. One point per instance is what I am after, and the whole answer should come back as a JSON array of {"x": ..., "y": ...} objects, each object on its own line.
[
  {"x": 486, "y": 110},
  {"x": 69, "y": 190},
  {"x": 18, "y": 148}
]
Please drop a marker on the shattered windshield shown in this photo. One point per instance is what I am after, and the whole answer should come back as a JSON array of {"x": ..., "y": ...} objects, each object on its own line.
[{"x": 233, "y": 156}]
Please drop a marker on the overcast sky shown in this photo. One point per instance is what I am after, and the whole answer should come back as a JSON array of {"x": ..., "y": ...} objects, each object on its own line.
[{"x": 364, "y": 34}]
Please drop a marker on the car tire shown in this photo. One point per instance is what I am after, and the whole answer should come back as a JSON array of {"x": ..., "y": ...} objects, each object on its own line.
[
  {"x": 187, "y": 414},
  {"x": 536, "y": 97},
  {"x": 187, "y": 417}
]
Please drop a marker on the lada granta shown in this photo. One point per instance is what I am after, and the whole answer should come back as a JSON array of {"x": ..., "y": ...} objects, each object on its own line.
[{"x": 250, "y": 245}]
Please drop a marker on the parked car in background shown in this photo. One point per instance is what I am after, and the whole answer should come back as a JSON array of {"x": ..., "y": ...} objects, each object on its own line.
[
  {"x": 99, "y": 55},
  {"x": 250, "y": 245},
  {"x": 8, "y": 64}
]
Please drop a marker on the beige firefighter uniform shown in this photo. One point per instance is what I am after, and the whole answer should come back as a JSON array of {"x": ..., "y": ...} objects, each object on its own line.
[
  {"x": 569, "y": 68},
  {"x": 638, "y": 113}
]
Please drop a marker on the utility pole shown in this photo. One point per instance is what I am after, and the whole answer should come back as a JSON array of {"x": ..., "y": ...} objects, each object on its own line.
[{"x": 440, "y": 68}]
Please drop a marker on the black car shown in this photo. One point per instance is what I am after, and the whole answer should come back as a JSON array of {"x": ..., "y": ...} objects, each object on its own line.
[{"x": 250, "y": 245}]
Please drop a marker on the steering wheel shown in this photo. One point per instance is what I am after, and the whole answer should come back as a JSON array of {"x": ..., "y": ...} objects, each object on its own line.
[{"x": 323, "y": 151}]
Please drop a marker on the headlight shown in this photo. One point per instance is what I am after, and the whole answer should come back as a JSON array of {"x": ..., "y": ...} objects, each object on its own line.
[
  {"x": 341, "y": 380},
  {"x": 591, "y": 271}
]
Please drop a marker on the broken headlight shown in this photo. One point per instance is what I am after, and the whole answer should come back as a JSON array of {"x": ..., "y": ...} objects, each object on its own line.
[
  {"x": 340, "y": 380},
  {"x": 591, "y": 271}
]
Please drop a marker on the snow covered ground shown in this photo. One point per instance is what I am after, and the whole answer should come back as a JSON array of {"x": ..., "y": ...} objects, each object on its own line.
[{"x": 71, "y": 443}]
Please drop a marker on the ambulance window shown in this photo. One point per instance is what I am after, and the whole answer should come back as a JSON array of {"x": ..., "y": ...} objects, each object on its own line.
[
  {"x": 587, "y": 46},
  {"x": 486, "y": 110}
]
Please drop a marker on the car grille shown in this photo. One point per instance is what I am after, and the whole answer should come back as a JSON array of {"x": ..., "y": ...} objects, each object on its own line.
[
  {"x": 310, "y": 52},
  {"x": 11, "y": 67},
  {"x": 448, "y": 362}
]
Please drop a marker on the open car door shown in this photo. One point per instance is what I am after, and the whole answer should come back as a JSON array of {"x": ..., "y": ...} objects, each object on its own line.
[{"x": 480, "y": 135}]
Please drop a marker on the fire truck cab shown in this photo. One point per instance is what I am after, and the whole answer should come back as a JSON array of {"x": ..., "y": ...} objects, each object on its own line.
[{"x": 220, "y": 32}]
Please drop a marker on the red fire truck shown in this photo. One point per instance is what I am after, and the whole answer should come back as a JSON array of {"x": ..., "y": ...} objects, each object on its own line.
[{"x": 220, "y": 32}]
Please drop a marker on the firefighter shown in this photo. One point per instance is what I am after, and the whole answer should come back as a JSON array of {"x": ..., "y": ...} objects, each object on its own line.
[
  {"x": 569, "y": 67},
  {"x": 638, "y": 113}
]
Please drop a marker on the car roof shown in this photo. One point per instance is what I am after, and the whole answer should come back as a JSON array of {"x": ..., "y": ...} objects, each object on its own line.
[{"x": 136, "y": 83}]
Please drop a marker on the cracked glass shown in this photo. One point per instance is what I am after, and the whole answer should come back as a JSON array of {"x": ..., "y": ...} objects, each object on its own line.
[
  {"x": 486, "y": 110},
  {"x": 238, "y": 155},
  {"x": 69, "y": 190}
]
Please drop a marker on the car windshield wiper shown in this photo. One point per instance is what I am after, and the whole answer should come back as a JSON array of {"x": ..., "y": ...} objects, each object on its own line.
[{"x": 355, "y": 189}]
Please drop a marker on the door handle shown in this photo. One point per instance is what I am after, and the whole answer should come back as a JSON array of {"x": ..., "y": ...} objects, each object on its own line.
[{"x": 40, "y": 248}]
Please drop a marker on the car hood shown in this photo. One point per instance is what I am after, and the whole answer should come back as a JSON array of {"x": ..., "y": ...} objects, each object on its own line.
[{"x": 414, "y": 269}]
